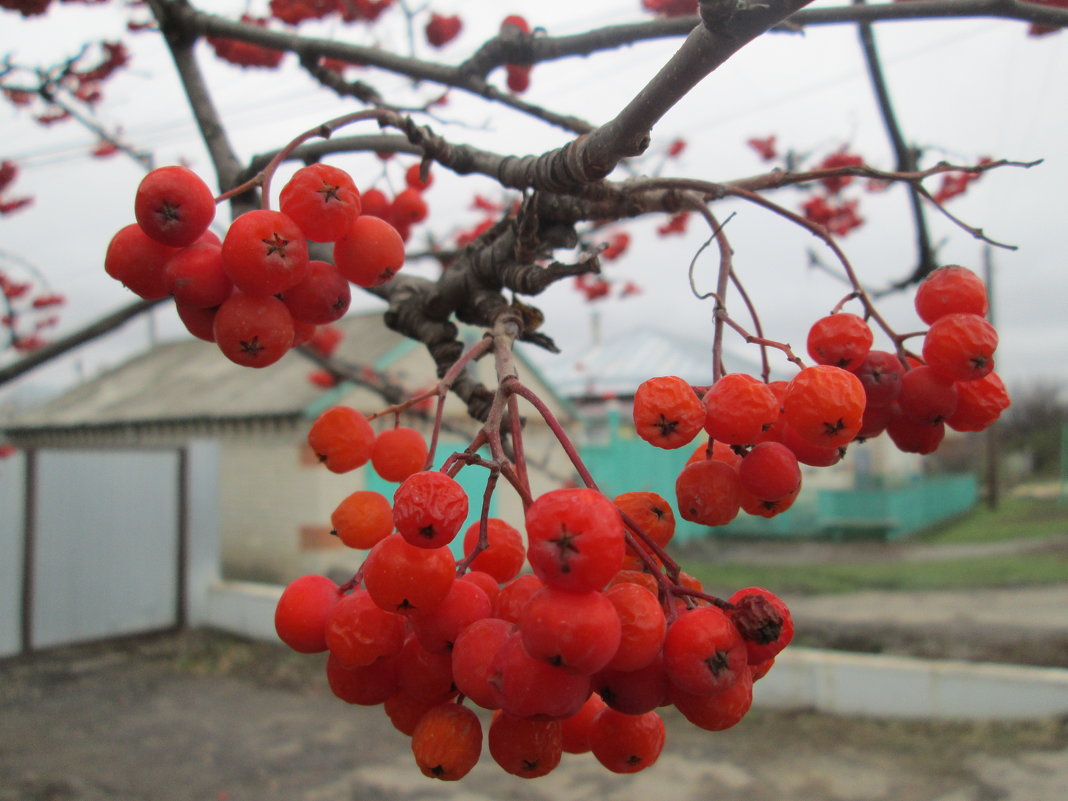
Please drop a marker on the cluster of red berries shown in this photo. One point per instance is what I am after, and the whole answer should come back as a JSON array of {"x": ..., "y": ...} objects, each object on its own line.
[
  {"x": 760, "y": 433},
  {"x": 294, "y": 12},
  {"x": 406, "y": 208},
  {"x": 246, "y": 54},
  {"x": 441, "y": 29},
  {"x": 575, "y": 656},
  {"x": 518, "y": 75},
  {"x": 255, "y": 293},
  {"x": 9, "y": 205},
  {"x": 671, "y": 8}
]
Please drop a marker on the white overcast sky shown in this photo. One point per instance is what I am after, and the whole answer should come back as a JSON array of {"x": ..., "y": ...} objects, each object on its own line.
[{"x": 964, "y": 89}]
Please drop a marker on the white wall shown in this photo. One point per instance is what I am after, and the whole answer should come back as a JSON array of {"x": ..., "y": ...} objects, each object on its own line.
[{"x": 12, "y": 527}]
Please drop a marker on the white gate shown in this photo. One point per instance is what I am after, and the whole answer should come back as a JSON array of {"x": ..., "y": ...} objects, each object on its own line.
[{"x": 103, "y": 546}]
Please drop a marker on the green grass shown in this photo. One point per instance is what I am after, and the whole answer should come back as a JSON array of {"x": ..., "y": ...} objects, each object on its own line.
[
  {"x": 1000, "y": 571},
  {"x": 1015, "y": 518}
]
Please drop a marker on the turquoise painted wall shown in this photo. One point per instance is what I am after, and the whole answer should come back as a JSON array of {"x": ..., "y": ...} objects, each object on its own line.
[{"x": 472, "y": 479}]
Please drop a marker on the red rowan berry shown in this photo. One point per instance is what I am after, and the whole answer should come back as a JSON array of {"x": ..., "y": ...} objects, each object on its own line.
[
  {"x": 514, "y": 596},
  {"x": 575, "y": 539},
  {"x": 198, "y": 322},
  {"x": 761, "y": 670},
  {"x": 927, "y": 396},
  {"x": 405, "y": 711},
  {"x": 362, "y": 519},
  {"x": 960, "y": 346},
  {"x": 880, "y": 373},
  {"x": 875, "y": 421},
  {"x": 948, "y": 290},
  {"x": 639, "y": 577},
  {"x": 265, "y": 252},
  {"x": 717, "y": 711},
  {"x": 579, "y": 631},
  {"x": 399, "y": 453},
  {"x": 704, "y": 652},
  {"x": 367, "y": 685},
  {"x": 447, "y": 742},
  {"x": 429, "y": 508},
  {"x": 441, "y": 30},
  {"x": 667, "y": 412},
  {"x": 487, "y": 583},
  {"x": 504, "y": 555},
  {"x": 342, "y": 439},
  {"x": 642, "y": 626},
  {"x": 375, "y": 204},
  {"x": 174, "y": 206},
  {"x": 720, "y": 451},
  {"x": 371, "y": 253},
  {"x": 438, "y": 627},
  {"x": 651, "y": 513},
  {"x": 253, "y": 330},
  {"x": 402, "y": 577},
  {"x": 708, "y": 492},
  {"x": 770, "y": 471},
  {"x": 138, "y": 262},
  {"x": 913, "y": 436},
  {"x": 738, "y": 408},
  {"x": 626, "y": 743},
  {"x": 517, "y": 77},
  {"x": 408, "y": 207},
  {"x": 824, "y": 405},
  {"x": 758, "y": 507},
  {"x": 472, "y": 656},
  {"x": 532, "y": 687},
  {"x": 413, "y": 177},
  {"x": 322, "y": 296},
  {"x": 979, "y": 403},
  {"x": 322, "y": 200},
  {"x": 194, "y": 276},
  {"x": 424, "y": 673},
  {"x": 302, "y": 332},
  {"x": 763, "y": 620},
  {"x": 634, "y": 692},
  {"x": 516, "y": 21},
  {"x": 359, "y": 631},
  {"x": 575, "y": 730},
  {"x": 525, "y": 748},
  {"x": 302, "y": 612},
  {"x": 807, "y": 453},
  {"x": 840, "y": 339}
]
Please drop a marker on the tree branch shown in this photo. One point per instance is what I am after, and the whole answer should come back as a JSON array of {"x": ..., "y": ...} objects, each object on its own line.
[
  {"x": 80, "y": 337},
  {"x": 904, "y": 155}
]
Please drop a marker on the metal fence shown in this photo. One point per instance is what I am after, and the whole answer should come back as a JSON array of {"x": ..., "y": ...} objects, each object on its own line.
[
  {"x": 623, "y": 463},
  {"x": 91, "y": 545}
]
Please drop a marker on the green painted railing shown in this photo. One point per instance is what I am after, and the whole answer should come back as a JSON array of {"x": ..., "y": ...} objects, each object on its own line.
[{"x": 624, "y": 463}]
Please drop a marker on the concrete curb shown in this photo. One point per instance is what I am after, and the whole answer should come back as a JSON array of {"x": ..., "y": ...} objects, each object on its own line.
[
  {"x": 833, "y": 682},
  {"x": 902, "y": 687}
]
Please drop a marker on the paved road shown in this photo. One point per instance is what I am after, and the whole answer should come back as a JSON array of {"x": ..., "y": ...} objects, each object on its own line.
[{"x": 207, "y": 718}]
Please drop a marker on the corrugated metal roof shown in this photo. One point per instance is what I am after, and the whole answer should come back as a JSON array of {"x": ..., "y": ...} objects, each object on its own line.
[
  {"x": 618, "y": 365},
  {"x": 191, "y": 380}
]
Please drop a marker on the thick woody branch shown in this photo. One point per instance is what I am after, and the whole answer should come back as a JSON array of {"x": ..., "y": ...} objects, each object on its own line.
[
  {"x": 588, "y": 159},
  {"x": 930, "y": 9},
  {"x": 180, "y": 43},
  {"x": 76, "y": 339}
]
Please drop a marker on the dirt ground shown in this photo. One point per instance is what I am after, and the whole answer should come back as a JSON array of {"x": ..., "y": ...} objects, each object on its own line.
[{"x": 206, "y": 717}]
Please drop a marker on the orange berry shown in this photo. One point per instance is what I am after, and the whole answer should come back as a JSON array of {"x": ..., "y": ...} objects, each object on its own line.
[{"x": 447, "y": 741}]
